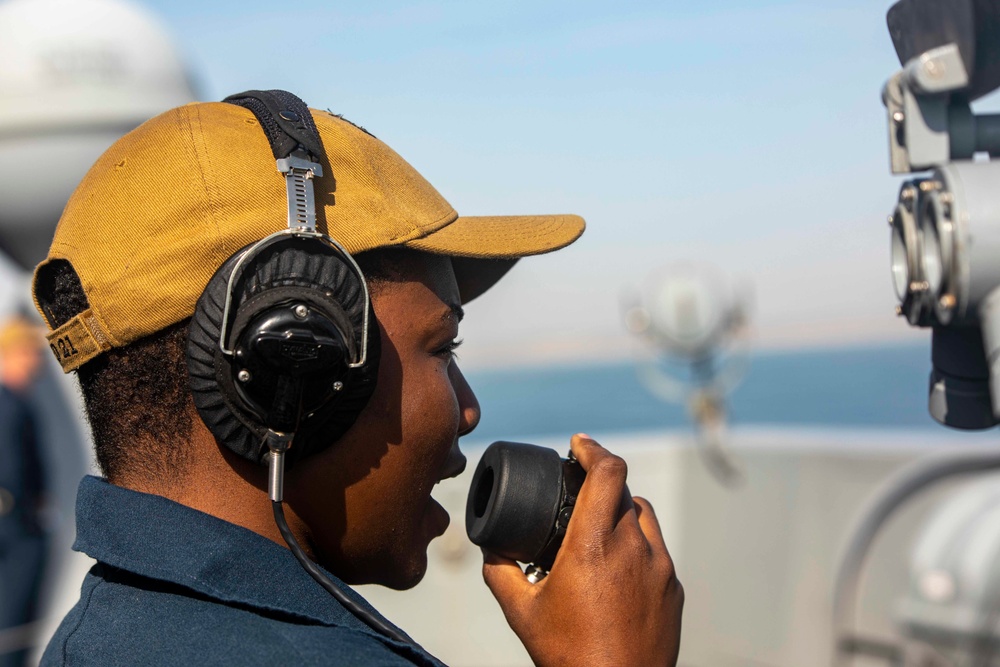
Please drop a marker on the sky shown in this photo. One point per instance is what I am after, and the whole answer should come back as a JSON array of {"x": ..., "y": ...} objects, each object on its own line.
[{"x": 746, "y": 135}]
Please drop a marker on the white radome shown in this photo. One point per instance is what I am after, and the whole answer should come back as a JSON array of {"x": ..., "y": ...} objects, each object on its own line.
[{"x": 74, "y": 76}]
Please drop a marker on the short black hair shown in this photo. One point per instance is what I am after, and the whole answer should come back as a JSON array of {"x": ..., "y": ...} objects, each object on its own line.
[{"x": 136, "y": 397}]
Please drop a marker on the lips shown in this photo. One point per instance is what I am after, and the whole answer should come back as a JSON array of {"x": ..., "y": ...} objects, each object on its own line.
[
  {"x": 439, "y": 517},
  {"x": 456, "y": 468}
]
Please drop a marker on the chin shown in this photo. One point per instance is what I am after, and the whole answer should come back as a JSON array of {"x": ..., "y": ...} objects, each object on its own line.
[
  {"x": 399, "y": 574},
  {"x": 406, "y": 577}
]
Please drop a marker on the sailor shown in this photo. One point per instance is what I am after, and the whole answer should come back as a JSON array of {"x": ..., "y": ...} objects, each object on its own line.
[
  {"x": 262, "y": 304},
  {"x": 23, "y": 536}
]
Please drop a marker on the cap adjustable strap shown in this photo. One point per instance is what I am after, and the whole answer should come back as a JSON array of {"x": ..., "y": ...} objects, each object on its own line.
[
  {"x": 77, "y": 341},
  {"x": 296, "y": 146}
]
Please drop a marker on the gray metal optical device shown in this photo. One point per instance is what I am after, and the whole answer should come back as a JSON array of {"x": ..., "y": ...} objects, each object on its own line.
[{"x": 945, "y": 229}]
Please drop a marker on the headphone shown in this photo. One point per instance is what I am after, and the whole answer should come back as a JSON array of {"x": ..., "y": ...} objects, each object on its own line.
[
  {"x": 284, "y": 339},
  {"x": 283, "y": 349}
]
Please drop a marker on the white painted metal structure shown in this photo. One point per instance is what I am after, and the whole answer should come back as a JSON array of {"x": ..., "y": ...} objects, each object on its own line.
[{"x": 74, "y": 76}]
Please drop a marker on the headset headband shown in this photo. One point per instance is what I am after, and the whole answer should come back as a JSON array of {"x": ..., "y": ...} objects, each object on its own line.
[{"x": 296, "y": 146}]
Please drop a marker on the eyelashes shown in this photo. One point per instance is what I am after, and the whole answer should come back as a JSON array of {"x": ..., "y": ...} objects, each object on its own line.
[{"x": 448, "y": 351}]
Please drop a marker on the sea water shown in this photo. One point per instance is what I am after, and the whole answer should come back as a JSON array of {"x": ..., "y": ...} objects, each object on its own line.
[{"x": 877, "y": 387}]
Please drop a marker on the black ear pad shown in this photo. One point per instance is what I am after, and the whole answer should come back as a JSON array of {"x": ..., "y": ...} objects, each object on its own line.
[{"x": 282, "y": 275}]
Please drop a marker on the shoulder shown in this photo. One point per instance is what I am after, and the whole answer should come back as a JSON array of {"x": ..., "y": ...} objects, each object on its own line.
[
  {"x": 114, "y": 625},
  {"x": 326, "y": 645}
]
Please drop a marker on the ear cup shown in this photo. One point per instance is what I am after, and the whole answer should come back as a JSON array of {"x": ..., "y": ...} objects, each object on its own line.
[{"x": 288, "y": 273}]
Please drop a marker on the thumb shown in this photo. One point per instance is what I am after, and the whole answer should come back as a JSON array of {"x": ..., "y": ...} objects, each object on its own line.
[{"x": 507, "y": 582}]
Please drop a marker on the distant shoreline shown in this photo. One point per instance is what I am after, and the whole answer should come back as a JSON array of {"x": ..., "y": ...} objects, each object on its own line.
[{"x": 882, "y": 386}]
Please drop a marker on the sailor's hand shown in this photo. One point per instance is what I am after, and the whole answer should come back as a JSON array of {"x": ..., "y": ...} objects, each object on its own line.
[{"x": 612, "y": 597}]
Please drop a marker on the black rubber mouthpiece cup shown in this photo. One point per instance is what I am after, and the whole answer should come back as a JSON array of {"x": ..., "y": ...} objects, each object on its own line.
[{"x": 521, "y": 501}]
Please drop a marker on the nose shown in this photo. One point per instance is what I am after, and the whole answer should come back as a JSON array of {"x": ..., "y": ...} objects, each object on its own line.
[{"x": 468, "y": 404}]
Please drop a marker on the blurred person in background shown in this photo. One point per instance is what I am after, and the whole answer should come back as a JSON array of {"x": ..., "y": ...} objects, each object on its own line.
[{"x": 23, "y": 541}]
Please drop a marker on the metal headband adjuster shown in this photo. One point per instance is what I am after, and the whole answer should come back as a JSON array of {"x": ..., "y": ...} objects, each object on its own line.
[{"x": 299, "y": 174}]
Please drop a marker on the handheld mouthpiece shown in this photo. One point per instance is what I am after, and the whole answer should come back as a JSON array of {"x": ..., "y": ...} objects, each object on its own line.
[{"x": 521, "y": 501}]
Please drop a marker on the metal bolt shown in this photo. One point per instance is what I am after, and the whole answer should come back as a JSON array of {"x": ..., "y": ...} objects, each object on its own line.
[
  {"x": 946, "y": 198},
  {"x": 930, "y": 186},
  {"x": 338, "y": 386},
  {"x": 919, "y": 286},
  {"x": 243, "y": 375},
  {"x": 898, "y": 116},
  {"x": 947, "y": 301},
  {"x": 908, "y": 193},
  {"x": 899, "y": 311},
  {"x": 892, "y": 219},
  {"x": 934, "y": 69},
  {"x": 301, "y": 311}
]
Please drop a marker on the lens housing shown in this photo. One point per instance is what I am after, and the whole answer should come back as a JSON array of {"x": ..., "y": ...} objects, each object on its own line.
[
  {"x": 931, "y": 257},
  {"x": 901, "y": 268},
  {"x": 959, "y": 219},
  {"x": 938, "y": 232},
  {"x": 908, "y": 271}
]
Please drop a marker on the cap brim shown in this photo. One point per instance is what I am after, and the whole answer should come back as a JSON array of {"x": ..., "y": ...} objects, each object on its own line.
[
  {"x": 502, "y": 237},
  {"x": 475, "y": 276},
  {"x": 484, "y": 248}
]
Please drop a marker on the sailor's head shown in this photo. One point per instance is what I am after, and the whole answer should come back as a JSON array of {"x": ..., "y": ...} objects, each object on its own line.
[
  {"x": 174, "y": 410},
  {"x": 20, "y": 353}
]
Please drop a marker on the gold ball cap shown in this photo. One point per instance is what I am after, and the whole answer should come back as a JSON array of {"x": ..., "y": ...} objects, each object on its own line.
[{"x": 170, "y": 201}]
